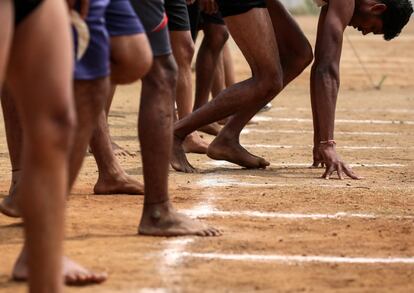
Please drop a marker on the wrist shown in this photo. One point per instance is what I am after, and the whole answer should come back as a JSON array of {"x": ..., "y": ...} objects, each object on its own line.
[{"x": 327, "y": 143}]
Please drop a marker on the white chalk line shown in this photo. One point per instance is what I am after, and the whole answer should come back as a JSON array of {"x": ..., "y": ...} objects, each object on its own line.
[
  {"x": 287, "y": 259},
  {"x": 170, "y": 257},
  {"x": 359, "y": 110},
  {"x": 262, "y": 118},
  {"x": 249, "y": 130},
  {"x": 279, "y": 146},
  {"x": 221, "y": 163},
  {"x": 221, "y": 182},
  {"x": 208, "y": 212}
]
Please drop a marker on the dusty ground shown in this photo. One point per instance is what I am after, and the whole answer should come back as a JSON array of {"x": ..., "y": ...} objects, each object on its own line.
[{"x": 285, "y": 230}]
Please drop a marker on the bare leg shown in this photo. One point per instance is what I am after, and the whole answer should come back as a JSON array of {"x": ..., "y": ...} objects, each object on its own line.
[
  {"x": 47, "y": 113},
  {"x": 14, "y": 142},
  {"x": 6, "y": 30},
  {"x": 215, "y": 36},
  {"x": 89, "y": 96},
  {"x": 126, "y": 67},
  {"x": 183, "y": 50},
  {"x": 295, "y": 54},
  {"x": 229, "y": 74},
  {"x": 112, "y": 178},
  {"x": 218, "y": 79},
  {"x": 265, "y": 84},
  {"x": 131, "y": 59},
  {"x": 155, "y": 133}
]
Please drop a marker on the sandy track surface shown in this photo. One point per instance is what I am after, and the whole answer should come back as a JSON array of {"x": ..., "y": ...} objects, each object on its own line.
[{"x": 285, "y": 229}]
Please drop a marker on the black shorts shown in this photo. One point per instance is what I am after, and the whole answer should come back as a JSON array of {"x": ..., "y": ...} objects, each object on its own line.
[
  {"x": 236, "y": 7},
  {"x": 199, "y": 18},
  {"x": 22, "y": 8},
  {"x": 177, "y": 14}
]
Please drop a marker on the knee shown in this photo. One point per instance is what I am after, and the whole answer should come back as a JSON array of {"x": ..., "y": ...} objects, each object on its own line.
[
  {"x": 54, "y": 131},
  {"x": 163, "y": 74},
  {"x": 270, "y": 83},
  {"x": 185, "y": 54},
  {"x": 90, "y": 99},
  {"x": 217, "y": 37}
]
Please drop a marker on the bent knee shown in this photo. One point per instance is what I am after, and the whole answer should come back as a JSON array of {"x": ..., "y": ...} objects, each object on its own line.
[
  {"x": 270, "y": 83},
  {"x": 216, "y": 37}
]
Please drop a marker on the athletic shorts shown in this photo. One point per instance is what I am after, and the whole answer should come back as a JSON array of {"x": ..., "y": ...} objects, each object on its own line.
[
  {"x": 121, "y": 19},
  {"x": 236, "y": 7},
  {"x": 105, "y": 18},
  {"x": 154, "y": 18},
  {"x": 177, "y": 14},
  {"x": 22, "y": 8},
  {"x": 199, "y": 18}
]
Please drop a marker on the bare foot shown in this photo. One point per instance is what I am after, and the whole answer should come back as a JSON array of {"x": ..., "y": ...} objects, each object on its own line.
[
  {"x": 178, "y": 159},
  {"x": 233, "y": 152},
  {"x": 120, "y": 151},
  {"x": 118, "y": 184},
  {"x": 193, "y": 143},
  {"x": 8, "y": 207},
  {"x": 74, "y": 274},
  {"x": 163, "y": 220},
  {"x": 212, "y": 129}
]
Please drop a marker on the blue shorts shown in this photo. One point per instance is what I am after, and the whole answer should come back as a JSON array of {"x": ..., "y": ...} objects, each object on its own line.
[{"x": 106, "y": 18}]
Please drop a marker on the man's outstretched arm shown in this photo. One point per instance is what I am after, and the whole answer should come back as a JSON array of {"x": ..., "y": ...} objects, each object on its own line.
[{"x": 325, "y": 84}]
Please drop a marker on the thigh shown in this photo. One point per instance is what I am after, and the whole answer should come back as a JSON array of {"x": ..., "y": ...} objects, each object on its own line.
[
  {"x": 254, "y": 35},
  {"x": 289, "y": 35},
  {"x": 42, "y": 83}
]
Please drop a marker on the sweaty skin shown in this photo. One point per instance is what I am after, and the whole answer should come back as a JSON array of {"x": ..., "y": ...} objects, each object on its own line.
[
  {"x": 333, "y": 20},
  {"x": 277, "y": 52},
  {"x": 156, "y": 109},
  {"x": 183, "y": 51},
  {"x": 47, "y": 113}
]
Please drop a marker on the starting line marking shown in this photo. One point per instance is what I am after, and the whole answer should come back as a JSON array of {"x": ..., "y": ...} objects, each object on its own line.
[
  {"x": 204, "y": 212},
  {"x": 295, "y": 258},
  {"x": 222, "y": 182},
  {"x": 379, "y": 147},
  {"x": 373, "y": 133},
  {"x": 220, "y": 163},
  {"x": 362, "y": 110},
  {"x": 260, "y": 118}
]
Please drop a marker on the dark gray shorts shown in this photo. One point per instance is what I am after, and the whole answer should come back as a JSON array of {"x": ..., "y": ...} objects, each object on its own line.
[{"x": 155, "y": 21}]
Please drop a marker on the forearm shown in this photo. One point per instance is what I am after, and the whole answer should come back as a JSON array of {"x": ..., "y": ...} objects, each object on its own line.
[
  {"x": 324, "y": 92},
  {"x": 316, "y": 137}
]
